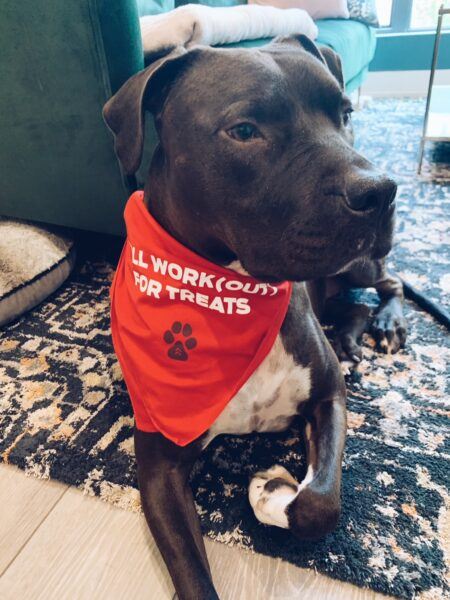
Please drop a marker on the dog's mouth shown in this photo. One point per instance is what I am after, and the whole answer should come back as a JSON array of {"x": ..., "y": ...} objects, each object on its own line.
[
  {"x": 382, "y": 247},
  {"x": 385, "y": 234},
  {"x": 306, "y": 251},
  {"x": 328, "y": 249}
]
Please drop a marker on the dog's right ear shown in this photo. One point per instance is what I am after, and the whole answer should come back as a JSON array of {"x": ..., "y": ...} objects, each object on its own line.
[
  {"x": 124, "y": 112},
  {"x": 326, "y": 55},
  {"x": 334, "y": 64}
]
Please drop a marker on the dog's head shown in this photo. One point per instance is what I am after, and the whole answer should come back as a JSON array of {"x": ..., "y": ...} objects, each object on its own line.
[{"x": 255, "y": 158}]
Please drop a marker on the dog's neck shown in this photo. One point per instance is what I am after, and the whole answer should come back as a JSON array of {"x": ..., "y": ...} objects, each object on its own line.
[{"x": 186, "y": 229}]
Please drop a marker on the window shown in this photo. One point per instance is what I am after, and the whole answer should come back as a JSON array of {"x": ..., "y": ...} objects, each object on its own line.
[
  {"x": 398, "y": 16},
  {"x": 384, "y": 10},
  {"x": 425, "y": 14}
]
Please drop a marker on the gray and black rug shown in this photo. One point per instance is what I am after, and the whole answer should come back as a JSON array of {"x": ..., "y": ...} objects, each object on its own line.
[{"x": 64, "y": 411}]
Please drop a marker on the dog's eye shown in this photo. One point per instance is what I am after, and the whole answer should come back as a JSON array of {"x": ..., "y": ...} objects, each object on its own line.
[
  {"x": 347, "y": 116},
  {"x": 244, "y": 132}
]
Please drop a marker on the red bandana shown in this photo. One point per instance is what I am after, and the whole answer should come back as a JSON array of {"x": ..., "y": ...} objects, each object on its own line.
[{"x": 188, "y": 333}]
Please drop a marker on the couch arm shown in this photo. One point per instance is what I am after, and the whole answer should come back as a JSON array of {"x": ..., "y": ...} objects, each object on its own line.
[
  {"x": 118, "y": 23},
  {"x": 59, "y": 62}
]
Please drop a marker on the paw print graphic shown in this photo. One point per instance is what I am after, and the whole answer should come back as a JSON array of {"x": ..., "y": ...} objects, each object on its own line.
[{"x": 179, "y": 348}]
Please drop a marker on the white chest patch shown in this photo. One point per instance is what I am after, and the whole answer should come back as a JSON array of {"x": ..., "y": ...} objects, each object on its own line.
[{"x": 269, "y": 399}]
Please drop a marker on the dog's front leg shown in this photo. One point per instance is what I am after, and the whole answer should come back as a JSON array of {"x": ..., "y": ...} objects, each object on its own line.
[
  {"x": 316, "y": 509},
  {"x": 168, "y": 503},
  {"x": 310, "y": 509},
  {"x": 389, "y": 325}
]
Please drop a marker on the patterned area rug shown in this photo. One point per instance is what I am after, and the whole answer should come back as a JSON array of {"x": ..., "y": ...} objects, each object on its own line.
[{"x": 64, "y": 411}]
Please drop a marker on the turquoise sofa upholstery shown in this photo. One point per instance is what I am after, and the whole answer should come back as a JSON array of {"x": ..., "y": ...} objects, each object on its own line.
[
  {"x": 354, "y": 42},
  {"x": 60, "y": 62},
  {"x": 154, "y": 7}
]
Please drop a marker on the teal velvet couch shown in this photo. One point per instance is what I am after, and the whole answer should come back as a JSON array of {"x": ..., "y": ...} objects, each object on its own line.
[{"x": 60, "y": 62}]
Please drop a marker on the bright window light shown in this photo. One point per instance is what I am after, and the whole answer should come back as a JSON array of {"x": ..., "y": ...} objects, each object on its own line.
[
  {"x": 425, "y": 14},
  {"x": 384, "y": 9}
]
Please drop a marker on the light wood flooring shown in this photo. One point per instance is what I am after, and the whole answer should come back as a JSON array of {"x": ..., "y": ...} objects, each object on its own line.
[{"x": 57, "y": 544}]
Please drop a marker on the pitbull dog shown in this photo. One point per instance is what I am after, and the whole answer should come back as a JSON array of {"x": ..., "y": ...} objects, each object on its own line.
[{"x": 255, "y": 171}]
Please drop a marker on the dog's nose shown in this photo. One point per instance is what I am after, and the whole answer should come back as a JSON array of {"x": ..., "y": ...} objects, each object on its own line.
[{"x": 367, "y": 192}]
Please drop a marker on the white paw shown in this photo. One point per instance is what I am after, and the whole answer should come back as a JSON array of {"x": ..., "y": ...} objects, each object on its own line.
[
  {"x": 347, "y": 366},
  {"x": 270, "y": 492}
]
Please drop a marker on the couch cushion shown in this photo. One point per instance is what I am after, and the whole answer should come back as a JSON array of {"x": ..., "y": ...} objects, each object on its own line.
[
  {"x": 364, "y": 11},
  {"x": 34, "y": 262},
  {"x": 154, "y": 7},
  {"x": 213, "y": 3},
  {"x": 354, "y": 42}
]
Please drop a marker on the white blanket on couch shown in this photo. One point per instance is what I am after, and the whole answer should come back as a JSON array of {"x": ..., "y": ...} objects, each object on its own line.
[{"x": 197, "y": 24}]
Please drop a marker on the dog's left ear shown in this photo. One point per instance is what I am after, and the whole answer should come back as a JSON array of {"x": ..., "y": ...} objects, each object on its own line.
[
  {"x": 124, "y": 113},
  {"x": 325, "y": 54}
]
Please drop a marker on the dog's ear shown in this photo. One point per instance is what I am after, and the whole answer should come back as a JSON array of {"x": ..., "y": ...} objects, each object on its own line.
[
  {"x": 124, "y": 112},
  {"x": 325, "y": 54},
  {"x": 334, "y": 63},
  {"x": 299, "y": 41}
]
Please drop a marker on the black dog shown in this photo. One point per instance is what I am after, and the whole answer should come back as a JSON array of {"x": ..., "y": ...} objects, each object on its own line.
[{"x": 255, "y": 170}]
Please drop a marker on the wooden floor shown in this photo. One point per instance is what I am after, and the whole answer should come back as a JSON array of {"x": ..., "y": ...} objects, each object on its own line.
[{"x": 56, "y": 544}]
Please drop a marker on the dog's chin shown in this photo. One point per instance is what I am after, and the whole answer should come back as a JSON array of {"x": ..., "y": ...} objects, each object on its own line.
[
  {"x": 297, "y": 276},
  {"x": 378, "y": 249},
  {"x": 285, "y": 269}
]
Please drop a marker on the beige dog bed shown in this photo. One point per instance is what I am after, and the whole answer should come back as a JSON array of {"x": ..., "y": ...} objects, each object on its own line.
[{"x": 34, "y": 262}]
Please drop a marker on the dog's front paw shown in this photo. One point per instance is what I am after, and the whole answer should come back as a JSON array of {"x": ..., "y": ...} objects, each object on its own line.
[
  {"x": 347, "y": 348},
  {"x": 315, "y": 512},
  {"x": 348, "y": 334},
  {"x": 270, "y": 492},
  {"x": 389, "y": 329}
]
